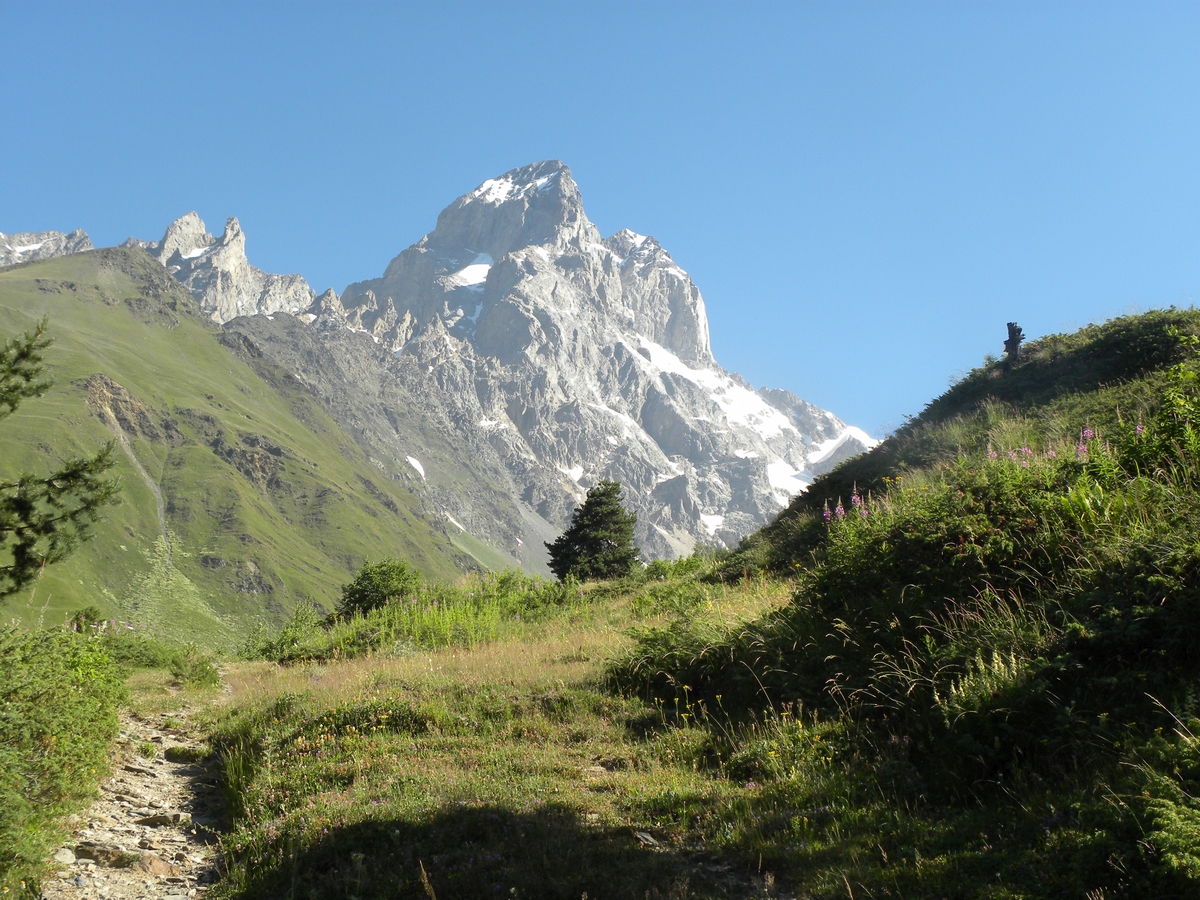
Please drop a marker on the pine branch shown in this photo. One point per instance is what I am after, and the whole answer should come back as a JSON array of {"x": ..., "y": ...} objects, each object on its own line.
[{"x": 21, "y": 369}]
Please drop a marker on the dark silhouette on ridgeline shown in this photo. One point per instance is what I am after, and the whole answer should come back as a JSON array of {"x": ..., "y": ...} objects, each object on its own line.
[{"x": 1012, "y": 347}]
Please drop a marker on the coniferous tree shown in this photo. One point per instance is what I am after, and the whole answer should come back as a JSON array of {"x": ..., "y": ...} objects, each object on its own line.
[
  {"x": 599, "y": 541},
  {"x": 43, "y": 519}
]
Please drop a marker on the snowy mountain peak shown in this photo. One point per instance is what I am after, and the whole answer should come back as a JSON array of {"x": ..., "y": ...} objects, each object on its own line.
[
  {"x": 578, "y": 358},
  {"x": 535, "y": 205},
  {"x": 520, "y": 183},
  {"x": 625, "y": 242}
]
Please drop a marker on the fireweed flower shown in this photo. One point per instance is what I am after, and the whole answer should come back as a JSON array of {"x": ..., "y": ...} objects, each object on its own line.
[
  {"x": 1050, "y": 454},
  {"x": 1025, "y": 451},
  {"x": 839, "y": 511},
  {"x": 992, "y": 454},
  {"x": 827, "y": 515},
  {"x": 1088, "y": 434},
  {"x": 856, "y": 500},
  {"x": 1139, "y": 429},
  {"x": 1081, "y": 451}
]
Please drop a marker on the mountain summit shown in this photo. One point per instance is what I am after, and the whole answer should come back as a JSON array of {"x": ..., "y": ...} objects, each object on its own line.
[
  {"x": 218, "y": 274},
  {"x": 514, "y": 356}
]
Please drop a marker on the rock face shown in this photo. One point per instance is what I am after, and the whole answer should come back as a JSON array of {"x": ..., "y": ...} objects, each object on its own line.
[
  {"x": 513, "y": 357},
  {"x": 28, "y": 246},
  {"x": 218, "y": 274}
]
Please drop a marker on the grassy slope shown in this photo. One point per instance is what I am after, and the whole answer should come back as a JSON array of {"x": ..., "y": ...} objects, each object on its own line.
[
  {"x": 501, "y": 768},
  {"x": 973, "y": 661},
  {"x": 1096, "y": 376},
  {"x": 246, "y": 543}
]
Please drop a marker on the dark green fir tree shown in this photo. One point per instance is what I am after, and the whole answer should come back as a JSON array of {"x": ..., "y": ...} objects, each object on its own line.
[
  {"x": 598, "y": 544},
  {"x": 43, "y": 518}
]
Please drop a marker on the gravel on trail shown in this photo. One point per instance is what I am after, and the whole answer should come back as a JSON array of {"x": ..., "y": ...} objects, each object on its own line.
[{"x": 152, "y": 834}]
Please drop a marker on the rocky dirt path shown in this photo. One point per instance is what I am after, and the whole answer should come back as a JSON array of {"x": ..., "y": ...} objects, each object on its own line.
[{"x": 153, "y": 832}]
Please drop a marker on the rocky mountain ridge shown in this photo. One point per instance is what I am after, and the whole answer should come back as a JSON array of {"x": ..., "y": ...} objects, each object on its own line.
[
  {"x": 28, "y": 246},
  {"x": 514, "y": 356},
  {"x": 218, "y": 274},
  {"x": 555, "y": 357}
]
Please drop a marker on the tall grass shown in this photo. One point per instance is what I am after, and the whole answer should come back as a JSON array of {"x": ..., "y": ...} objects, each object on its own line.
[
  {"x": 474, "y": 610},
  {"x": 1006, "y": 612}
]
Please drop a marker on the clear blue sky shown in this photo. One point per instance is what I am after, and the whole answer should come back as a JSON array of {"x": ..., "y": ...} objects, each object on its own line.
[{"x": 864, "y": 192}]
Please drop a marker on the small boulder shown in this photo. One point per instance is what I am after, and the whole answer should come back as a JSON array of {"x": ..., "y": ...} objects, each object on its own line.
[
  {"x": 154, "y": 865},
  {"x": 65, "y": 856}
]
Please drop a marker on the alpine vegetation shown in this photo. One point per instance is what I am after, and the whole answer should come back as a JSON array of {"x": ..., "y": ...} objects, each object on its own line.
[
  {"x": 598, "y": 544},
  {"x": 43, "y": 518}
]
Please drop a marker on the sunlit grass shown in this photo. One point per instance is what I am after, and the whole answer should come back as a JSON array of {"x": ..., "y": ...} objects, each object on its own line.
[{"x": 395, "y": 758}]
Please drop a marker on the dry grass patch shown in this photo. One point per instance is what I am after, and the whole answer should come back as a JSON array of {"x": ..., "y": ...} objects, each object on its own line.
[{"x": 502, "y": 769}]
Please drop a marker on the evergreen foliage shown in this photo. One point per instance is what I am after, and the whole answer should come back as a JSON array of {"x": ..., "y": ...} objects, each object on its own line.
[
  {"x": 598, "y": 544},
  {"x": 43, "y": 519}
]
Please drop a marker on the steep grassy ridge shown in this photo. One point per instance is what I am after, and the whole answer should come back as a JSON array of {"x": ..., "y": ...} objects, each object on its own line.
[
  {"x": 1097, "y": 376},
  {"x": 266, "y": 501}
]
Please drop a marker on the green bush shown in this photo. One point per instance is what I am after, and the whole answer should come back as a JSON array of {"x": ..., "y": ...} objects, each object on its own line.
[
  {"x": 59, "y": 696},
  {"x": 131, "y": 648},
  {"x": 376, "y": 585}
]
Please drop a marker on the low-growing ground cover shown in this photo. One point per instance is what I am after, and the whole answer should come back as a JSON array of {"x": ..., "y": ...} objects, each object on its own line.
[
  {"x": 978, "y": 680},
  {"x": 501, "y": 769}
]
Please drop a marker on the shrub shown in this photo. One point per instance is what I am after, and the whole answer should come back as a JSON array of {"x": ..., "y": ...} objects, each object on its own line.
[
  {"x": 130, "y": 648},
  {"x": 1025, "y": 609},
  {"x": 59, "y": 696},
  {"x": 376, "y": 585}
]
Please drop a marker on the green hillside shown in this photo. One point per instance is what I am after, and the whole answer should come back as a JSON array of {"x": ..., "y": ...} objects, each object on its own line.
[
  {"x": 973, "y": 674},
  {"x": 1099, "y": 376},
  {"x": 265, "y": 501}
]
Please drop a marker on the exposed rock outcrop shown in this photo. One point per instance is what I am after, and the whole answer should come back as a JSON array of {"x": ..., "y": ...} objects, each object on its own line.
[
  {"x": 218, "y": 274},
  {"x": 28, "y": 246},
  {"x": 559, "y": 357},
  {"x": 513, "y": 357}
]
